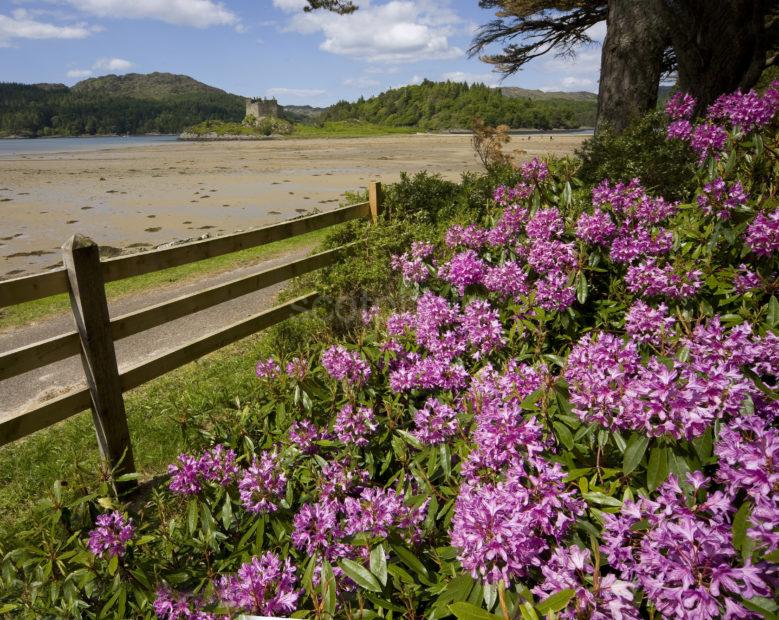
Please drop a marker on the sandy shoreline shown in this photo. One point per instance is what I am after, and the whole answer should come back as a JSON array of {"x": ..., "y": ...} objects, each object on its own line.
[{"x": 139, "y": 197}]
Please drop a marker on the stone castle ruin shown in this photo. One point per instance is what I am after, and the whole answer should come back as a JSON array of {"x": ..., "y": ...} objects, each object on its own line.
[{"x": 263, "y": 108}]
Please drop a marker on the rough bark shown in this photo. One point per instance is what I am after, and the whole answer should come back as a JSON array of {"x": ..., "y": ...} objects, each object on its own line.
[
  {"x": 631, "y": 63},
  {"x": 720, "y": 45}
]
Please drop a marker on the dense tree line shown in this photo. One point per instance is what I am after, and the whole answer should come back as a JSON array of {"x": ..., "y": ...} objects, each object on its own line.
[
  {"x": 446, "y": 105},
  {"x": 28, "y": 110}
]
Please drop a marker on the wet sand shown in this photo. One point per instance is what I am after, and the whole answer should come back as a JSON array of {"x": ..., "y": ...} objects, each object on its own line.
[{"x": 137, "y": 198}]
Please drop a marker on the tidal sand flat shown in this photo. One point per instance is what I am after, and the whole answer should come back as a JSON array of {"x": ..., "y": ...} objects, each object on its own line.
[{"x": 138, "y": 197}]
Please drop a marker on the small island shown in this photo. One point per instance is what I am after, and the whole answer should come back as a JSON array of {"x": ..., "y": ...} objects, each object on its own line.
[{"x": 262, "y": 122}]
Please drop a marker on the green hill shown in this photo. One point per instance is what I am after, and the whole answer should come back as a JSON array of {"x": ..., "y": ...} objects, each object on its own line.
[
  {"x": 134, "y": 103},
  {"x": 541, "y": 95},
  {"x": 147, "y": 86},
  {"x": 450, "y": 105}
]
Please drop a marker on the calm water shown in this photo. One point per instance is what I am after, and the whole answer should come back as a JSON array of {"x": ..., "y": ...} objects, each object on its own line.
[{"x": 60, "y": 145}]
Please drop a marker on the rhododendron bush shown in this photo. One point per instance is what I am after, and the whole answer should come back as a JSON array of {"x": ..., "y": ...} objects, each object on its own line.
[{"x": 574, "y": 415}]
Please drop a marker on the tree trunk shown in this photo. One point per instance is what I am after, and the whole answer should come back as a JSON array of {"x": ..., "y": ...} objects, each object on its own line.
[
  {"x": 720, "y": 45},
  {"x": 631, "y": 63}
]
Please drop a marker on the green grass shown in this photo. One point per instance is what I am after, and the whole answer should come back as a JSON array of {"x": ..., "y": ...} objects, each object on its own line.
[
  {"x": 22, "y": 314},
  {"x": 347, "y": 129},
  {"x": 163, "y": 416}
]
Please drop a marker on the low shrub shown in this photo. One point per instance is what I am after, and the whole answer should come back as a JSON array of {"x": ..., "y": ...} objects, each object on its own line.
[{"x": 641, "y": 151}]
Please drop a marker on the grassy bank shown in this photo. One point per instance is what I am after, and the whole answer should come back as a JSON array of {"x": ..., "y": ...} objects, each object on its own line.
[
  {"x": 23, "y": 314},
  {"x": 164, "y": 417},
  {"x": 348, "y": 129}
]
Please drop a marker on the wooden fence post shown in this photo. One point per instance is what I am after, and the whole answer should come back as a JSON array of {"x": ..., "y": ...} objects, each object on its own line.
[
  {"x": 81, "y": 257},
  {"x": 376, "y": 200}
]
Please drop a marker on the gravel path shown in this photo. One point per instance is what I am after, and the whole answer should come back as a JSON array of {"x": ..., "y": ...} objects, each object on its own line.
[{"x": 30, "y": 389}]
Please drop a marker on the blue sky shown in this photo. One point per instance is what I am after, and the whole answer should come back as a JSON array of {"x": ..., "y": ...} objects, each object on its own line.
[{"x": 266, "y": 47}]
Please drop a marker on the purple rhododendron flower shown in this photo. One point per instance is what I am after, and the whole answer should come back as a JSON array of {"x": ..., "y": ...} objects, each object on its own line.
[
  {"x": 344, "y": 365},
  {"x": 682, "y": 557},
  {"x": 545, "y": 224},
  {"x": 534, "y": 171},
  {"x": 607, "y": 598},
  {"x": 649, "y": 325},
  {"x": 463, "y": 270},
  {"x": 110, "y": 537},
  {"x": 354, "y": 425},
  {"x": 554, "y": 293},
  {"x": 268, "y": 369},
  {"x": 508, "y": 279},
  {"x": 262, "y": 484},
  {"x": 263, "y": 585},
  {"x": 746, "y": 279},
  {"x": 680, "y": 106},
  {"x": 217, "y": 465},
  {"x": 762, "y": 236},
  {"x": 435, "y": 422},
  {"x": 596, "y": 228}
]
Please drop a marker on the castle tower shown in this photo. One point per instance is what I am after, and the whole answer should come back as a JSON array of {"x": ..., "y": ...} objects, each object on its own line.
[{"x": 262, "y": 108}]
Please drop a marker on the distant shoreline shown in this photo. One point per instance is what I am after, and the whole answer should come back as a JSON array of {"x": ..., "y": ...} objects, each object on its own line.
[{"x": 183, "y": 136}]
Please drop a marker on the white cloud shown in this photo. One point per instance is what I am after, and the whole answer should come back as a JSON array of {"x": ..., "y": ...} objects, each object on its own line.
[
  {"x": 22, "y": 25},
  {"x": 112, "y": 65},
  {"x": 571, "y": 83},
  {"x": 294, "y": 93},
  {"x": 101, "y": 66},
  {"x": 79, "y": 74},
  {"x": 488, "y": 78},
  {"x": 195, "y": 13},
  {"x": 290, "y": 6},
  {"x": 399, "y": 31},
  {"x": 361, "y": 82},
  {"x": 416, "y": 79}
]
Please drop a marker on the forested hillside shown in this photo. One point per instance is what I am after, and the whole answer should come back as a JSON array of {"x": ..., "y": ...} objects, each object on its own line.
[
  {"x": 446, "y": 105},
  {"x": 154, "y": 103}
]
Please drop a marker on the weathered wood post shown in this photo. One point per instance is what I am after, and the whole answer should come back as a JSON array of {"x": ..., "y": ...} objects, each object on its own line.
[
  {"x": 81, "y": 257},
  {"x": 376, "y": 200}
]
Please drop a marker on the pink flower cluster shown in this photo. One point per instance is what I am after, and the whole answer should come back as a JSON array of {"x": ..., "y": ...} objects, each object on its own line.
[
  {"x": 262, "y": 484},
  {"x": 353, "y": 425},
  {"x": 263, "y": 585},
  {"x": 216, "y": 465},
  {"x": 110, "y": 537},
  {"x": 682, "y": 555},
  {"x": 762, "y": 235},
  {"x": 678, "y": 396},
  {"x": 344, "y": 365},
  {"x": 741, "y": 112},
  {"x": 720, "y": 200}
]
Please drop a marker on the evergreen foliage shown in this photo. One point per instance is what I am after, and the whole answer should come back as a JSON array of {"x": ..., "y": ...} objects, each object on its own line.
[{"x": 450, "y": 105}]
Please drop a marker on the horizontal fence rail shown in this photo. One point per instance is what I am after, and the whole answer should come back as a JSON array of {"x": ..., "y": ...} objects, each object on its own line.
[
  {"x": 67, "y": 405},
  {"x": 84, "y": 277},
  {"x": 57, "y": 348},
  {"x": 38, "y": 286}
]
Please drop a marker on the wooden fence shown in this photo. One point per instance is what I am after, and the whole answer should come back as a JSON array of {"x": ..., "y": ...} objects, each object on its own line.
[{"x": 84, "y": 276}]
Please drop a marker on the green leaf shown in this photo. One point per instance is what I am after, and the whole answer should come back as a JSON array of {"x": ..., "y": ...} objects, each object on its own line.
[
  {"x": 564, "y": 434},
  {"x": 634, "y": 452},
  {"x": 410, "y": 560},
  {"x": 581, "y": 288},
  {"x": 773, "y": 311},
  {"x": 383, "y": 603},
  {"x": 360, "y": 575},
  {"x": 657, "y": 468},
  {"x": 227, "y": 512},
  {"x": 192, "y": 516},
  {"x": 602, "y": 498},
  {"x": 466, "y": 611},
  {"x": 556, "y": 601},
  {"x": 113, "y": 564},
  {"x": 740, "y": 524},
  {"x": 328, "y": 587},
  {"x": 378, "y": 562}
]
